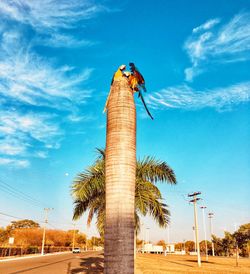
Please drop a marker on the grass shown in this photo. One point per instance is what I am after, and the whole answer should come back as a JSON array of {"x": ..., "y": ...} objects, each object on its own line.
[{"x": 160, "y": 264}]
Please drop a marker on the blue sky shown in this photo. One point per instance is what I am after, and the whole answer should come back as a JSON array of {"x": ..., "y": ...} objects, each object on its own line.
[{"x": 56, "y": 62}]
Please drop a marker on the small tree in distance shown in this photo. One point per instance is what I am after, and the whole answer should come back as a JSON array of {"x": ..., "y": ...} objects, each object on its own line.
[{"x": 26, "y": 223}]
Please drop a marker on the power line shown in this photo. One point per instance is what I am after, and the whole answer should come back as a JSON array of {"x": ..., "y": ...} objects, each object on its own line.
[
  {"x": 52, "y": 225},
  {"x": 17, "y": 191},
  {"x": 14, "y": 192},
  {"x": 15, "y": 195},
  {"x": 8, "y": 215},
  {"x": 19, "y": 218},
  {"x": 19, "y": 194}
]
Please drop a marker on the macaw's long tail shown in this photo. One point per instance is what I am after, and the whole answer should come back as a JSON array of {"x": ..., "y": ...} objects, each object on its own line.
[{"x": 142, "y": 99}]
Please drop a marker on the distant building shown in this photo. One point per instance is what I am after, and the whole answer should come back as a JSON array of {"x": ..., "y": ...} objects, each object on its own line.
[
  {"x": 170, "y": 248},
  {"x": 149, "y": 248}
]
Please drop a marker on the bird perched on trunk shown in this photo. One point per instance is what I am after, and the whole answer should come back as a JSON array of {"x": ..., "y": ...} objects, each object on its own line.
[
  {"x": 137, "y": 83},
  {"x": 137, "y": 80},
  {"x": 118, "y": 74}
]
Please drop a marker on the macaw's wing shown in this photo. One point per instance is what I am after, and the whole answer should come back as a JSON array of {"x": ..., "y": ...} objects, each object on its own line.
[
  {"x": 142, "y": 99},
  {"x": 139, "y": 76}
]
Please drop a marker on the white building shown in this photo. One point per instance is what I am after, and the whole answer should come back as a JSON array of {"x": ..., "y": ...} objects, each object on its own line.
[{"x": 149, "y": 248}]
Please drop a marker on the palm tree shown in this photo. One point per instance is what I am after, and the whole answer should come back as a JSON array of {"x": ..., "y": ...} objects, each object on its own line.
[
  {"x": 120, "y": 177},
  {"x": 88, "y": 191}
]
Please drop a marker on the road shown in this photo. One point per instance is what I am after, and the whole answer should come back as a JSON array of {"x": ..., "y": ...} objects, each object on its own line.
[{"x": 86, "y": 262}]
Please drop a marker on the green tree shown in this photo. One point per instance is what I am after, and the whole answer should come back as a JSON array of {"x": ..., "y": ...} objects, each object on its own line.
[
  {"x": 88, "y": 191},
  {"x": 26, "y": 223},
  {"x": 179, "y": 246},
  {"x": 224, "y": 246},
  {"x": 203, "y": 247},
  {"x": 139, "y": 243},
  {"x": 162, "y": 242},
  {"x": 228, "y": 243},
  {"x": 4, "y": 235},
  {"x": 218, "y": 246},
  {"x": 242, "y": 237},
  {"x": 81, "y": 239},
  {"x": 190, "y": 246}
]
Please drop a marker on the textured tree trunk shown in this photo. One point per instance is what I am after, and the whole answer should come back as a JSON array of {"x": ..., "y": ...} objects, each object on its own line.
[{"x": 120, "y": 169}]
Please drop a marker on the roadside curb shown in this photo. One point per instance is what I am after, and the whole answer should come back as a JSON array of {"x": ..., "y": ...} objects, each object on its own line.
[{"x": 34, "y": 256}]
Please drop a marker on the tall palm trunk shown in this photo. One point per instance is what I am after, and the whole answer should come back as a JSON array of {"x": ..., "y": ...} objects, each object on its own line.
[{"x": 120, "y": 171}]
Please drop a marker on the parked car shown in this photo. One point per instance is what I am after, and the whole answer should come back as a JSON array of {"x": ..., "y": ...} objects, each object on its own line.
[{"x": 76, "y": 250}]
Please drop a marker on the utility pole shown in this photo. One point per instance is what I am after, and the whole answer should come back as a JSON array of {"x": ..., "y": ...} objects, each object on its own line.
[
  {"x": 168, "y": 234},
  {"x": 194, "y": 201},
  {"x": 236, "y": 247},
  {"x": 143, "y": 236},
  {"x": 210, "y": 216},
  {"x": 205, "y": 232},
  {"x": 44, "y": 228},
  {"x": 194, "y": 239},
  {"x": 74, "y": 236},
  {"x": 147, "y": 235}
]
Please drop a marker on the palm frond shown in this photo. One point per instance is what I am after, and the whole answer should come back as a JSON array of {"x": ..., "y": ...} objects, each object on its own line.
[
  {"x": 88, "y": 191},
  {"x": 79, "y": 208},
  {"x": 101, "y": 152},
  {"x": 153, "y": 170}
]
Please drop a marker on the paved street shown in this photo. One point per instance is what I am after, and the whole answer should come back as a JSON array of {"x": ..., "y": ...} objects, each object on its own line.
[{"x": 86, "y": 262}]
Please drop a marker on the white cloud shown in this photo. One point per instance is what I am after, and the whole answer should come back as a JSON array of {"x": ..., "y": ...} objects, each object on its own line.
[
  {"x": 35, "y": 93},
  {"x": 48, "y": 15},
  {"x": 187, "y": 98},
  {"x": 42, "y": 154},
  {"x": 213, "y": 42},
  {"x": 11, "y": 147},
  {"x": 19, "y": 127},
  {"x": 28, "y": 78},
  {"x": 57, "y": 40},
  {"x": 208, "y": 25},
  {"x": 27, "y": 135},
  {"x": 50, "y": 18},
  {"x": 14, "y": 163}
]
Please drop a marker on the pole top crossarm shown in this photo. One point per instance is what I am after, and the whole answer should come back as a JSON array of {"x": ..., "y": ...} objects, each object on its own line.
[
  {"x": 194, "y": 200},
  {"x": 194, "y": 194}
]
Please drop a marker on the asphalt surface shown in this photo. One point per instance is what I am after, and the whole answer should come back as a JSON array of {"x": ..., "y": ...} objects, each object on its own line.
[{"x": 85, "y": 262}]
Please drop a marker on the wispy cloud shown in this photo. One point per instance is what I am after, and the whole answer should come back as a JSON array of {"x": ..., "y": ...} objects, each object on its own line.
[
  {"x": 11, "y": 147},
  {"x": 185, "y": 97},
  {"x": 26, "y": 135},
  {"x": 50, "y": 14},
  {"x": 36, "y": 93},
  {"x": 17, "y": 130},
  {"x": 215, "y": 42},
  {"x": 26, "y": 77},
  {"x": 29, "y": 80},
  {"x": 14, "y": 163},
  {"x": 58, "y": 40},
  {"x": 50, "y": 18},
  {"x": 207, "y": 25}
]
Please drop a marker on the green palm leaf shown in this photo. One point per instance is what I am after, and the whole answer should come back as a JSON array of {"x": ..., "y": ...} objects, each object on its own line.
[{"x": 88, "y": 191}]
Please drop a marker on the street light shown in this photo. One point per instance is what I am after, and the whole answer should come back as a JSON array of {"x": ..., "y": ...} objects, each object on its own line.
[
  {"x": 147, "y": 238},
  {"x": 210, "y": 216},
  {"x": 204, "y": 226}
]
